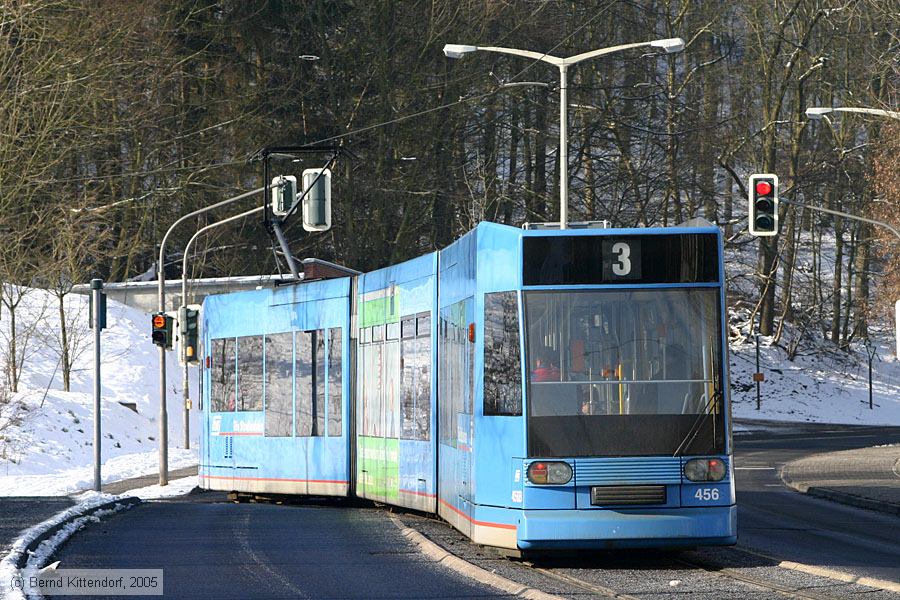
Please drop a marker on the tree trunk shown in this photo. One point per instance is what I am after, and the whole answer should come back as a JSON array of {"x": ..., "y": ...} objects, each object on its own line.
[{"x": 64, "y": 360}]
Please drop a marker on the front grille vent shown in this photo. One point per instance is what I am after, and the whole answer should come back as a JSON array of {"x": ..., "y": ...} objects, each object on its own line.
[{"x": 628, "y": 495}]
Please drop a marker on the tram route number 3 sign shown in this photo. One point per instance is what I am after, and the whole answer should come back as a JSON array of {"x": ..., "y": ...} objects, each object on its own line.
[{"x": 621, "y": 259}]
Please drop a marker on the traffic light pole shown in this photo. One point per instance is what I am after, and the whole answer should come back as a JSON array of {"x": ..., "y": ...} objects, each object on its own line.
[{"x": 161, "y": 272}]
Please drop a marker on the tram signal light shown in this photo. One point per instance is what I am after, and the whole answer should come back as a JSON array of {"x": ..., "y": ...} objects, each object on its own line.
[
  {"x": 162, "y": 333},
  {"x": 316, "y": 199},
  {"x": 284, "y": 194},
  {"x": 763, "y": 204},
  {"x": 189, "y": 334}
]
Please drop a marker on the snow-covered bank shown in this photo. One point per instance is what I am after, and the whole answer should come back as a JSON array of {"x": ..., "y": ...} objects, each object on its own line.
[
  {"x": 46, "y": 435},
  {"x": 823, "y": 385}
]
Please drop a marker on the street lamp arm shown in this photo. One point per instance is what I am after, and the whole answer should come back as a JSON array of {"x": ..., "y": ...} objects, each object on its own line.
[
  {"x": 603, "y": 51},
  {"x": 893, "y": 114},
  {"x": 187, "y": 248},
  {"x": 838, "y": 213},
  {"x": 819, "y": 112},
  {"x": 547, "y": 58},
  {"x": 162, "y": 244}
]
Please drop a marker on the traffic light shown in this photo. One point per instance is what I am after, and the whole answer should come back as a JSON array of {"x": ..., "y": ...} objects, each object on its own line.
[
  {"x": 763, "y": 204},
  {"x": 162, "y": 330},
  {"x": 284, "y": 194},
  {"x": 316, "y": 199},
  {"x": 189, "y": 334}
]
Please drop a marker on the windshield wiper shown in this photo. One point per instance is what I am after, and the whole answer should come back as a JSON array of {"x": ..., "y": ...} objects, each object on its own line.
[{"x": 695, "y": 428}]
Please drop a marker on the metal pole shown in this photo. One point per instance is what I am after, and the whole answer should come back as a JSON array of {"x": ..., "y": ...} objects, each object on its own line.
[
  {"x": 185, "y": 389},
  {"x": 96, "y": 286},
  {"x": 871, "y": 406},
  {"x": 292, "y": 264},
  {"x": 161, "y": 293},
  {"x": 758, "y": 403},
  {"x": 186, "y": 396},
  {"x": 563, "y": 151}
]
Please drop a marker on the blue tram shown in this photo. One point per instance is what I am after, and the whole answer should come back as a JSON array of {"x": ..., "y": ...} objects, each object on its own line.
[{"x": 538, "y": 389}]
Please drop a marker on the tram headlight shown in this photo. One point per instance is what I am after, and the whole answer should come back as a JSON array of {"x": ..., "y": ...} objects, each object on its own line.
[
  {"x": 549, "y": 473},
  {"x": 705, "y": 469}
]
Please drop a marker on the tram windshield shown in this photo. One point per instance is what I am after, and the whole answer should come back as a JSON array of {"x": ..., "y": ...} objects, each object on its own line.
[{"x": 624, "y": 372}]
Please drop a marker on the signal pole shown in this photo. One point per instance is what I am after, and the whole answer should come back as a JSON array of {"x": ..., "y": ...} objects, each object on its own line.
[
  {"x": 160, "y": 267},
  {"x": 97, "y": 322}
]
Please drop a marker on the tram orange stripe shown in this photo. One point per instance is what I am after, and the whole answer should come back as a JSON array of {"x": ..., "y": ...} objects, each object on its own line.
[
  {"x": 473, "y": 521},
  {"x": 426, "y": 494}
]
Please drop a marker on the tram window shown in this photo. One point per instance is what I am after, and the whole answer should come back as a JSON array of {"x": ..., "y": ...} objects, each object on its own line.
[
  {"x": 423, "y": 324},
  {"x": 335, "y": 379},
  {"x": 279, "y": 384},
  {"x": 415, "y": 388},
  {"x": 391, "y": 389},
  {"x": 452, "y": 377},
  {"x": 318, "y": 427},
  {"x": 222, "y": 375},
  {"x": 502, "y": 357},
  {"x": 444, "y": 400},
  {"x": 303, "y": 381},
  {"x": 393, "y": 331},
  {"x": 631, "y": 372},
  {"x": 378, "y": 333},
  {"x": 408, "y": 327},
  {"x": 365, "y": 335},
  {"x": 250, "y": 372},
  {"x": 408, "y": 364}
]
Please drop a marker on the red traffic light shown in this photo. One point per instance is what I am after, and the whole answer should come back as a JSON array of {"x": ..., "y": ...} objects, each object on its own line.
[
  {"x": 763, "y": 188},
  {"x": 159, "y": 321}
]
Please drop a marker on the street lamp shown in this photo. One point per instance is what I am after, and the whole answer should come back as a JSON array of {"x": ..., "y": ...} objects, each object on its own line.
[
  {"x": 818, "y": 112},
  {"x": 161, "y": 293},
  {"x": 670, "y": 45}
]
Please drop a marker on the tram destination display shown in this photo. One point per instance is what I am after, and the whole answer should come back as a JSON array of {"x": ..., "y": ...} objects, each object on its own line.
[{"x": 630, "y": 259}]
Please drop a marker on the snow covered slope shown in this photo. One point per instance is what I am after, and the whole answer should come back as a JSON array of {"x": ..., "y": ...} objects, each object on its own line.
[{"x": 46, "y": 435}]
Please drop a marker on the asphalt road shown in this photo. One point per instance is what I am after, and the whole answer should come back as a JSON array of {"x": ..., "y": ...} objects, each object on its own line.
[
  {"x": 209, "y": 548},
  {"x": 220, "y": 550},
  {"x": 791, "y": 526}
]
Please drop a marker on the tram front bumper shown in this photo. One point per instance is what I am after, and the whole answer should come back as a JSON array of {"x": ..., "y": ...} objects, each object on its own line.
[{"x": 628, "y": 528}]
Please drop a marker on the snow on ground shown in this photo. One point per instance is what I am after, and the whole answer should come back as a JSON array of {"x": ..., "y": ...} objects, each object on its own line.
[
  {"x": 822, "y": 384},
  {"x": 46, "y": 435},
  {"x": 826, "y": 385}
]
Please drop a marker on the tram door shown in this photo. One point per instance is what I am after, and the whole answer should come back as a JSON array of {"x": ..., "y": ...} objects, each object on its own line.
[{"x": 465, "y": 417}]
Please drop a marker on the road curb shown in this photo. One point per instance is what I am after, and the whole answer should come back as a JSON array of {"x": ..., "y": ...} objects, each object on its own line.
[
  {"x": 839, "y": 497},
  {"x": 467, "y": 569},
  {"x": 890, "y": 586}
]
